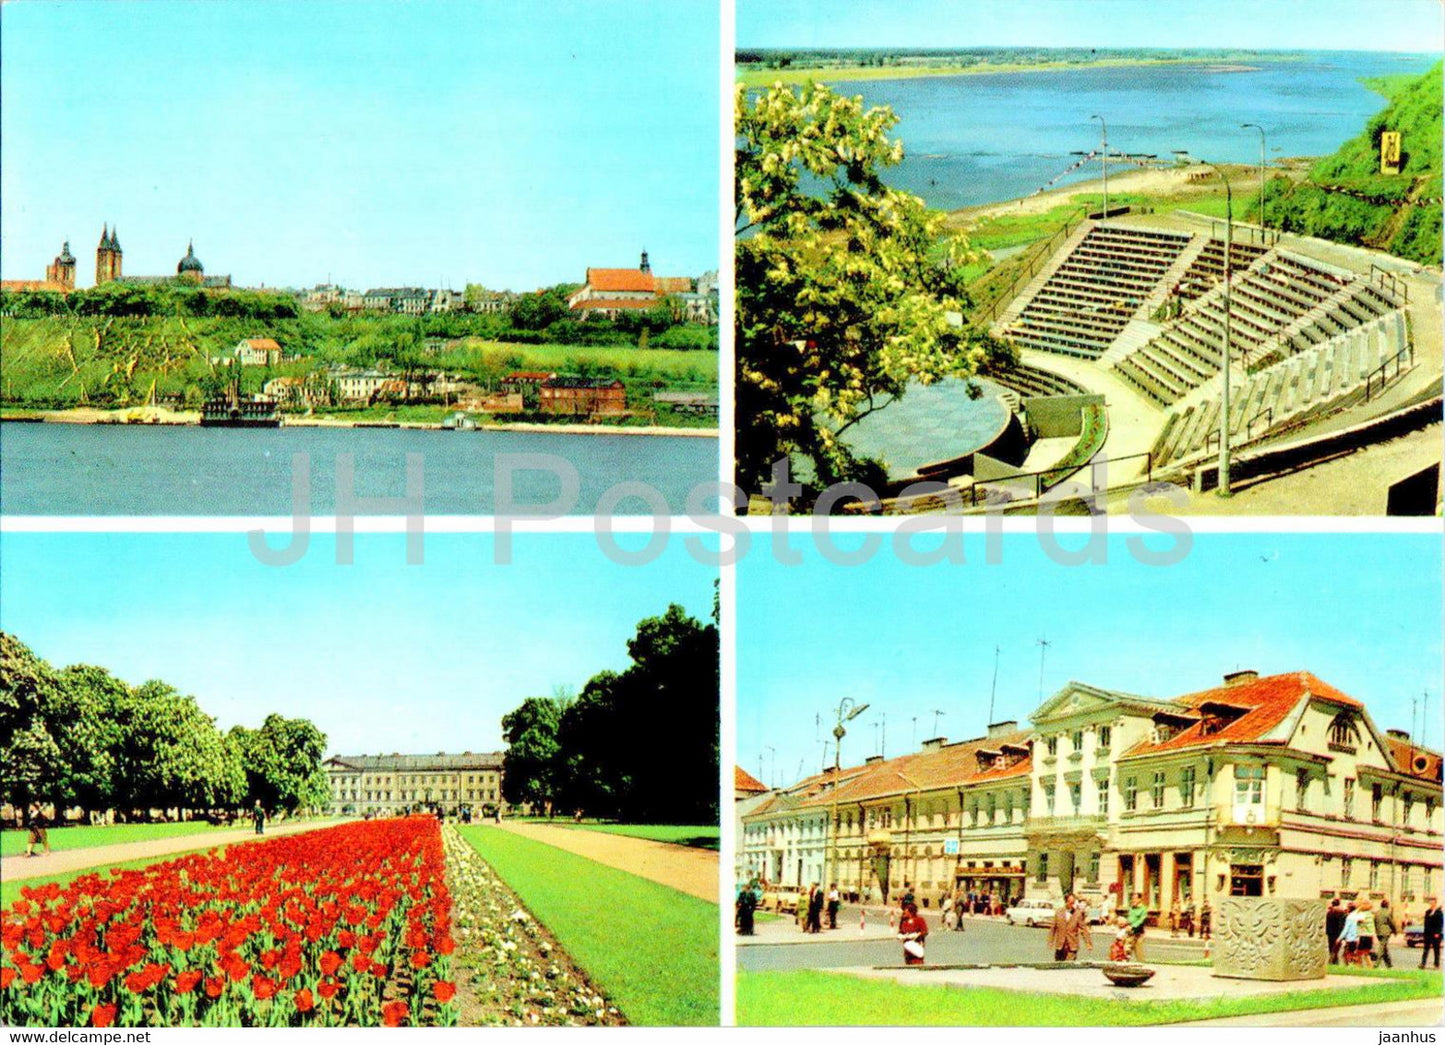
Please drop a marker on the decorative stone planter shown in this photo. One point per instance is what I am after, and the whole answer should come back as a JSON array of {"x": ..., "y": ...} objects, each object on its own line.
[
  {"x": 1260, "y": 938},
  {"x": 1127, "y": 975}
]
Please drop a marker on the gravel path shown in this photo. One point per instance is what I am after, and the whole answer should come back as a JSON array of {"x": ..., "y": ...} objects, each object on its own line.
[{"x": 691, "y": 871}]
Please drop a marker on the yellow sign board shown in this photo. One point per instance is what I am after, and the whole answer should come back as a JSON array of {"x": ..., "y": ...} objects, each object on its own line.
[{"x": 1390, "y": 152}]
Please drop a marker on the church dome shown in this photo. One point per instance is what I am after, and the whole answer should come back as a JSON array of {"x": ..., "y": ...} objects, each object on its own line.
[
  {"x": 189, "y": 263},
  {"x": 66, "y": 258}
]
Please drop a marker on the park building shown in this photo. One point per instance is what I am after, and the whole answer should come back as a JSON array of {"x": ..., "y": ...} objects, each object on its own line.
[
  {"x": 385, "y": 784},
  {"x": 1263, "y": 786}
]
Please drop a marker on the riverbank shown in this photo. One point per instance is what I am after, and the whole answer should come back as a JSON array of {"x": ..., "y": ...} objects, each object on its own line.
[
  {"x": 163, "y": 416},
  {"x": 755, "y": 77}
]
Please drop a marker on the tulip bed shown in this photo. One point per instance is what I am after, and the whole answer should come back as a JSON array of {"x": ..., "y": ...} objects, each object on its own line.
[{"x": 348, "y": 925}]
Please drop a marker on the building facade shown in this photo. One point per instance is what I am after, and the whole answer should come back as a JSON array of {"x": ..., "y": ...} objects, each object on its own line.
[
  {"x": 1277, "y": 786},
  {"x": 386, "y": 784},
  {"x": 581, "y": 396}
]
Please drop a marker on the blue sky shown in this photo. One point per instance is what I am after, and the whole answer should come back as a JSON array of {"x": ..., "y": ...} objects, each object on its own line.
[
  {"x": 382, "y": 656},
  {"x": 1360, "y": 611},
  {"x": 1370, "y": 25},
  {"x": 425, "y": 142}
]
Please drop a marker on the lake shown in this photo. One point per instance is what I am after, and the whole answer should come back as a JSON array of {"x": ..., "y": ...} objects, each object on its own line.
[
  {"x": 72, "y": 469},
  {"x": 984, "y": 138}
]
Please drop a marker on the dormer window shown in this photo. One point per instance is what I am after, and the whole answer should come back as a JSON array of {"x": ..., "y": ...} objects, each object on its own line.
[{"x": 1344, "y": 734}]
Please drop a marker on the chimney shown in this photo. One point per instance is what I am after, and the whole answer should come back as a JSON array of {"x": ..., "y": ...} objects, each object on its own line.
[
  {"x": 999, "y": 729},
  {"x": 1238, "y": 678},
  {"x": 1398, "y": 734},
  {"x": 872, "y": 760},
  {"x": 934, "y": 744}
]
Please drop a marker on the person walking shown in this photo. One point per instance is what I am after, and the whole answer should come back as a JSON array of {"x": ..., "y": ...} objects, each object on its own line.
[
  {"x": 1385, "y": 927},
  {"x": 747, "y": 906},
  {"x": 1119, "y": 949},
  {"x": 37, "y": 834},
  {"x": 1433, "y": 927},
  {"x": 1365, "y": 941},
  {"x": 913, "y": 931},
  {"x": 258, "y": 814},
  {"x": 1350, "y": 936},
  {"x": 1138, "y": 919},
  {"x": 1334, "y": 925},
  {"x": 1174, "y": 919},
  {"x": 835, "y": 901},
  {"x": 815, "y": 909},
  {"x": 1070, "y": 926},
  {"x": 958, "y": 902},
  {"x": 1206, "y": 917}
]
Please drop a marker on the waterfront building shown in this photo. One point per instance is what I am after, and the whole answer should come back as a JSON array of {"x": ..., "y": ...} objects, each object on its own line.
[
  {"x": 1276, "y": 786},
  {"x": 581, "y": 396},
  {"x": 384, "y": 784}
]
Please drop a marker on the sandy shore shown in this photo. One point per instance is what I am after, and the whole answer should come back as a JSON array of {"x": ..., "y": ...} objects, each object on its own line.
[{"x": 163, "y": 416}]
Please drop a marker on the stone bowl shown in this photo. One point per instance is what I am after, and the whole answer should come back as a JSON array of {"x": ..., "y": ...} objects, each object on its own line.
[{"x": 1123, "y": 974}]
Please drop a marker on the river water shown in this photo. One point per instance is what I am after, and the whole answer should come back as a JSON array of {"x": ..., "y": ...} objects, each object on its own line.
[
  {"x": 70, "y": 469},
  {"x": 985, "y": 138}
]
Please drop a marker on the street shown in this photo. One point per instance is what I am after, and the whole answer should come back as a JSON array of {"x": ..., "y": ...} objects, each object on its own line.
[{"x": 778, "y": 945}]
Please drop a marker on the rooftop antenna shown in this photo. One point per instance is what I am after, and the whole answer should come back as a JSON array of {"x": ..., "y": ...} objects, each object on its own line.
[
  {"x": 1044, "y": 645},
  {"x": 936, "y": 716},
  {"x": 801, "y": 761},
  {"x": 769, "y": 747},
  {"x": 883, "y": 747},
  {"x": 914, "y": 741},
  {"x": 993, "y": 689},
  {"x": 823, "y": 766}
]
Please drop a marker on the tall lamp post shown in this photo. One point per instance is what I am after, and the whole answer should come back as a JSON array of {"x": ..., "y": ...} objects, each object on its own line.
[
  {"x": 1224, "y": 490},
  {"x": 848, "y": 710},
  {"x": 1260, "y": 129},
  {"x": 1104, "y": 158}
]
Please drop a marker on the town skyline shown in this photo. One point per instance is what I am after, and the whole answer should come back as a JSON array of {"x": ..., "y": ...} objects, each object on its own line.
[
  {"x": 382, "y": 656},
  {"x": 378, "y": 146},
  {"x": 891, "y": 635}
]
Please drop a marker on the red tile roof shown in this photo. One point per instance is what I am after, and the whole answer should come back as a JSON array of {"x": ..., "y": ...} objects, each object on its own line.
[
  {"x": 952, "y": 765},
  {"x": 1265, "y": 702},
  {"x": 621, "y": 279},
  {"x": 263, "y": 344},
  {"x": 745, "y": 781},
  {"x": 529, "y": 375},
  {"x": 673, "y": 284},
  {"x": 1406, "y": 755}
]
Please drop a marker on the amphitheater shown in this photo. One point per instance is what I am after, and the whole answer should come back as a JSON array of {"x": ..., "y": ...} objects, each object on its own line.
[{"x": 1127, "y": 315}]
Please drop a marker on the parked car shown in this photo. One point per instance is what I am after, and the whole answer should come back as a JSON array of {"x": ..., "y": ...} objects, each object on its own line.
[
  {"x": 1032, "y": 912},
  {"x": 1415, "y": 934},
  {"x": 782, "y": 900}
]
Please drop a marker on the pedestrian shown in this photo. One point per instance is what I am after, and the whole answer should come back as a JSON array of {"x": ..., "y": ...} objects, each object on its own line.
[
  {"x": 1206, "y": 917},
  {"x": 1334, "y": 925},
  {"x": 1433, "y": 928},
  {"x": 908, "y": 897},
  {"x": 947, "y": 908},
  {"x": 958, "y": 902},
  {"x": 1174, "y": 920},
  {"x": 815, "y": 909},
  {"x": 1385, "y": 927},
  {"x": 1350, "y": 936},
  {"x": 747, "y": 906},
  {"x": 1119, "y": 949},
  {"x": 1138, "y": 919},
  {"x": 38, "y": 834},
  {"x": 1188, "y": 921},
  {"x": 913, "y": 931},
  {"x": 1070, "y": 925},
  {"x": 835, "y": 901},
  {"x": 1365, "y": 942},
  {"x": 258, "y": 814}
]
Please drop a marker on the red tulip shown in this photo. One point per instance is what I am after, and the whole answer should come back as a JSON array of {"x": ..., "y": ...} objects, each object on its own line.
[
  {"x": 393, "y": 1012},
  {"x": 102, "y": 1016},
  {"x": 304, "y": 1001},
  {"x": 330, "y": 962},
  {"x": 420, "y": 959},
  {"x": 7, "y": 977},
  {"x": 443, "y": 991},
  {"x": 262, "y": 987},
  {"x": 186, "y": 981},
  {"x": 214, "y": 986},
  {"x": 327, "y": 989}
]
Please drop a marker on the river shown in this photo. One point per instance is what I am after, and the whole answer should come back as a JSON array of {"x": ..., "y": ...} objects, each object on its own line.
[{"x": 76, "y": 469}]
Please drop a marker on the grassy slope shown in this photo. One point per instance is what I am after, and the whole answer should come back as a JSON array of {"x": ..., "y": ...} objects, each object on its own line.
[
  {"x": 653, "y": 949},
  {"x": 697, "y": 836},
  {"x": 822, "y": 998},
  {"x": 1407, "y": 231},
  {"x": 13, "y": 842}
]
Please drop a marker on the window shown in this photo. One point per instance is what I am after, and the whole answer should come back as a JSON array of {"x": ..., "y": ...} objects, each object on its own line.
[
  {"x": 1246, "y": 880},
  {"x": 1049, "y": 798},
  {"x": 1349, "y": 798},
  {"x": 1105, "y": 733},
  {"x": 1131, "y": 793},
  {"x": 1408, "y": 808},
  {"x": 992, "y": 807},
  {"x": 1374, "y": 874},
  {"x": 1342, "y": 732},
  {"x": 1104, "y": 797},
  {"x": 1094, "y": 866},
  {"x": 1156, "y": 794},
  {"x": 1076, "y": 797},
  {"x": 1405, "y": 879},
  {"x": 1376, "y": 794},
  {"x": 1042, "y": 873},
  {"x": 1078, "y": 740},
  {"x": 1186, "y": 787},
  {"x": 1346, "y": 866},
  {"x": 1053, "y": 745},
  {"x": 1008, "y": 807},
  {"x": 973, "y": 811},
  {"x": 1248, "y": 788}
]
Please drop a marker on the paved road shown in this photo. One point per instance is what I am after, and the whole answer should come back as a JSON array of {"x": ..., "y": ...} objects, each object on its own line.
[
  {"x": 20, "y": 868},
  {"x": 983, "y": 940},
  {"x": 688, "y": 870}
]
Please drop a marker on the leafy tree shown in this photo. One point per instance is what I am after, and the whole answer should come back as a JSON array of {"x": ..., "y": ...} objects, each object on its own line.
[
  {"x": 282, "y": 763},
  {"x": 844, "y": 285},
  {"x": 530, "y": 765},
  {"x": 28, "y": 751},
  {"x": 538, "y": 311},
  {"x": 171, "y": 754}
]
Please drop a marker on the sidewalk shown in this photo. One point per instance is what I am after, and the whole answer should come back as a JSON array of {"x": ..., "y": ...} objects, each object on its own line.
[
  {"x": 691, "y": 871},
  {"x": 23, "y": 868}
]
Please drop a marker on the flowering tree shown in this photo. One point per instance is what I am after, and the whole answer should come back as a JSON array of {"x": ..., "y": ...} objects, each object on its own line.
[{"x": 844, "y": 285}]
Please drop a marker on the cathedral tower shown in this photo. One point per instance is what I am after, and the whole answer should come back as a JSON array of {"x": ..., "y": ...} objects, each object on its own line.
[
  {"x": 62, "y": 269},
  {"x": 107, "y": 257}
]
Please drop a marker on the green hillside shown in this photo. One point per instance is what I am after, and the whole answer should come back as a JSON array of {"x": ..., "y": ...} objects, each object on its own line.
[{"x": 1346, "y": 198}]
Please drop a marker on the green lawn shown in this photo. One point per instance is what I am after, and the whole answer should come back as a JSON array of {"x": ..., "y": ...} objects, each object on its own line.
[
  {"x": 653, "y": 949},
  {"x": 13, "y": 842},
  {"x": 822, "y": 998},
  {"x": 696, "y": 836}
]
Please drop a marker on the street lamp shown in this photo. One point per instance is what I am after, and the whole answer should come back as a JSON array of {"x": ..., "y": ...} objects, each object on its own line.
[
  {"x": 1104, "y": 159},
  {"x": 1224, "y": 490},
  {"x": 1261, "y": 171},
  {"x": 848, "y": 710}
]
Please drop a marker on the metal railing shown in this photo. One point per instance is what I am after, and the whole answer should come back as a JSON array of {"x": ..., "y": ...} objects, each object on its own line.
[
  {"x": 1037, "y": 257},
  {"x": 1244, "y": 233},
  {"x": 1400, "y": 360},
  {"x": 1390, "y": 281},
  {"x": 980, "y": 488}
]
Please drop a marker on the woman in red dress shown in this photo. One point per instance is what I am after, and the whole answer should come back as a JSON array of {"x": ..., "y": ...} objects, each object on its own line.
[{"x": 912, "y": 930}]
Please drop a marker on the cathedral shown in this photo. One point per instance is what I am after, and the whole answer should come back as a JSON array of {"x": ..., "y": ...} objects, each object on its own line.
[{"x": 189, "y": 270}]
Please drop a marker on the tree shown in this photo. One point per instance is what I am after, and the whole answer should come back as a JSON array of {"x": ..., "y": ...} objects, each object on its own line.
[
  {"x": 538, "y": 311},
  {"x": 844, "y": 285},
  {"x": 282, "y": 763},
  {"x": 171, "y": 755},
  {"x": 28, "y": 751},
  {"x": 530, "y": 764}
]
